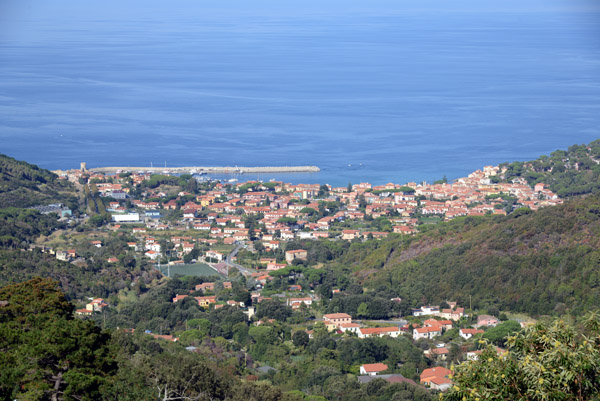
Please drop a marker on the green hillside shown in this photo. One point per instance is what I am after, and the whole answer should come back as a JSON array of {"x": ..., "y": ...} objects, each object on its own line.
[
  {"x": 575, "y": 171},
  {"x": 544, "y": 262},
  {"x": 23, "y": 185},
  {"x": 47, "y": 354}
]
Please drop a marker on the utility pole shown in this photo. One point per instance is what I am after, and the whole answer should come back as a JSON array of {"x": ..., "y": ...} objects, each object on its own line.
[{"x": 470, "y": 305}]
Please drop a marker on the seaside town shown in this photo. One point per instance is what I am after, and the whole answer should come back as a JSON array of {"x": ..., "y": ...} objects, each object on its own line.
[
  {"x": 300, "y": 201},
  {"x": 214, "y": 220},
  {"x": 237, "y": 229}
]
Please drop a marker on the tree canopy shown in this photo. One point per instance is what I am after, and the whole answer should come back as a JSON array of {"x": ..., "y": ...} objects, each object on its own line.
[{"x": 547, "y": 361}]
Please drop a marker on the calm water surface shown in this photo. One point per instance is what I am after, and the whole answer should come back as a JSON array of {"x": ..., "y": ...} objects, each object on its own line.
[{"x": 379, "y": 98}]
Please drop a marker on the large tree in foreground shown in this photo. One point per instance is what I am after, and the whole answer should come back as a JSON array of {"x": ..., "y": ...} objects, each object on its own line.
[
  {"x": 46, "y": 354},
  {"x": 547, "y": 361}
]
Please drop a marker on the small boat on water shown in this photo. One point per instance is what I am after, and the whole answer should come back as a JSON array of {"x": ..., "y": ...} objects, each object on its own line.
[{"x": 232, "y": 180}]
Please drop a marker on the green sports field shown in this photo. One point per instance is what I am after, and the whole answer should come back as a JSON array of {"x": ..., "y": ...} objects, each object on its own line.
[{"x": 197, "y": 269}]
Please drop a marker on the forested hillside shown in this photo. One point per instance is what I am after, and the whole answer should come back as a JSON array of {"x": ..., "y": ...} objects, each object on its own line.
[
  {"x": 23, "y": 185},
  {"x": 571, "y": 172},
  {"x": 47, "y": 354},
  {"x": 544, "y": 262}
]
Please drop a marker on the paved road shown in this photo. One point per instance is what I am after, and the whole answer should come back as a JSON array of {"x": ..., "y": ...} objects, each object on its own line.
[{"x": 242, "y": 269}]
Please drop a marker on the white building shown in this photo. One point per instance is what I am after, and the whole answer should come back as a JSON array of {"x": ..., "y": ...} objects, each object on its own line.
[
  {"x": 215, "y": 255},
  {"x": 426, "y": 310},
  {"x": 426, "y": 332},
  {"x": 365, "y": 332},
  {"x": 299, "y": 301},
  {"x": 468, "y": 333},
  {"x": 126, "y": 218},
  {"x": 372, "y": 369},
  {"x": 152, "y": 255}
]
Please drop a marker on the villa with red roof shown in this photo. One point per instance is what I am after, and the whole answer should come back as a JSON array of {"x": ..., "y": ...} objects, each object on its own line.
[
  {"x": 436, "y": 378},
  {"x": 372, "y": 369},
  {"x": 338, "y": 318},
  {"x": 365, "y": 332},
  {"x": 468, "y": 333},
  {"x": 290, "y": 256}
]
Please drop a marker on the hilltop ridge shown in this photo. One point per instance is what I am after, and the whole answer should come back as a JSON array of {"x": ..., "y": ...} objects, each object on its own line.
[{"x": 23, "y": 185}]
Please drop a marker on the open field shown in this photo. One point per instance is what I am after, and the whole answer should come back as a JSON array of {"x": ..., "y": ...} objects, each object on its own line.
[{"x": 197, "y": 269}]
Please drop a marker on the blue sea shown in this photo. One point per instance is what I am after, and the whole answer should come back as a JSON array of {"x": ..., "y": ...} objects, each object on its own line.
[{"x": 379, "y": 95}]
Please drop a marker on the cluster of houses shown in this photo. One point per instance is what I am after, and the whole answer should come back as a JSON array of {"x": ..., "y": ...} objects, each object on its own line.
[
  {"x": 437, "y": 377},
  {"x": 287, "y": 211},
  {"x": 95, "y": 305},
  {"x": 208, "y": 300},
  {"x": 224, "y": 206}
]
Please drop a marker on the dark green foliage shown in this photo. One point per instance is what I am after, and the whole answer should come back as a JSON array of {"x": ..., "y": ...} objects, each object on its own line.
[
  {"x": 45, "y": 353},
  {"x": 23, "y": 185},
  {"x": 300, "y": 338},
  {"x": 361, "y": 306},
  {"x": 319, "y": 251},
  {"x": 78, "y": 282},
  {"x": 273, "y": 309},
  {"x": 567, "y": 173},
  {"x": 498, "y": 335},
  {"x": 25, "y": 225}
]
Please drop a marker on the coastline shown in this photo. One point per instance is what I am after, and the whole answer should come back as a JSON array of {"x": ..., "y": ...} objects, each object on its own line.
[{"x": 214, "y": 170}]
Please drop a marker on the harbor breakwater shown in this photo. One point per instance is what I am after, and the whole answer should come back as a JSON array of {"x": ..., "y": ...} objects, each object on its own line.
[{"x": 208, "y": 170}]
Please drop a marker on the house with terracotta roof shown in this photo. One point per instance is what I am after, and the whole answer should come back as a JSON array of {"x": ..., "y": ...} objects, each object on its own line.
[
  {"x": 84, "y": 312},
  {"x": 453, "y": 313},
  {"x": 468, "y": 333},
  {"x": 350, "y": 234},
  {"x": 351, "y": 327},
  {"x": 205, "y": 287},
  {"x": 437, "y": 353},
  {"x": 436, "y": 378},
  {"x": 372, "y": 369},
  {"x": 338, "y": 318},
  {"x": 205, "y": 301},
  {"x": 427, "y": 332},
  {"x": 486, "y": 320},
  {"x": 178, "y": 298},
  {"x": 443, "y": 324},
  {"x": 290, "y": 256},
  {"x": 276, "y": 266},
  {"x": 365, "y": 332},
  {"x": 152, "y": 255},
  {"x": 298, "y": 301},
  {"x": 96, "y": 305}
]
